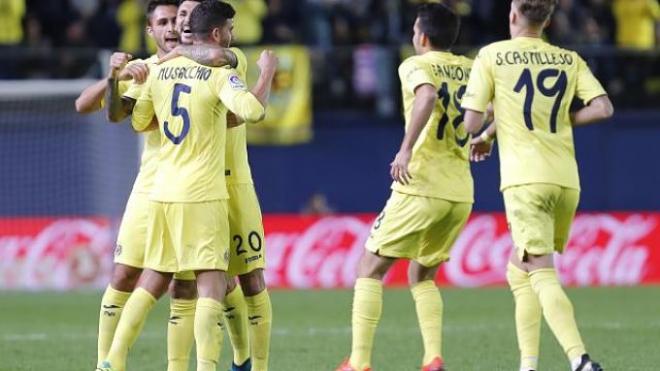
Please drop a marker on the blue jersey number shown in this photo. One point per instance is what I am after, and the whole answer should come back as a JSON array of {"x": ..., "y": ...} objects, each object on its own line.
[
  {"x": 178, "y": 111},
  {"x": 445, "y": 97},
  {"x": 557, "y": 90}
]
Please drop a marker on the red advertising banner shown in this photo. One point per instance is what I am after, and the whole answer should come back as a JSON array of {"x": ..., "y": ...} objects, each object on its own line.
[{"x": 323, "y": 252}]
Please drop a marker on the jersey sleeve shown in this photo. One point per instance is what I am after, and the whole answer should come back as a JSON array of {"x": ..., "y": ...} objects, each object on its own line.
[
  {"x": 412, "y": 75},
  {"x": 233, "y": 93},
  {"x": 134, "y": 90},
  {"x": 241, "y": 65},
  {"x": 143, "y": 112},
  {"x": 481, "y": 86},
  {"x": 588, "y": 87}
]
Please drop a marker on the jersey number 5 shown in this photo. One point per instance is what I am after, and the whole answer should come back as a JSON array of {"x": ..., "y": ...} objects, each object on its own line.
[
  {"x": 557, "y": 90},
  {"x": 178, "y": 111},
  {"x": 445, "y": 97}
]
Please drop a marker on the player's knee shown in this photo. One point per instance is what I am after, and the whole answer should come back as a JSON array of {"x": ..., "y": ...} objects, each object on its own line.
[
  {"x": 124, "y": 278},
  {"x": 374, "y": 266},
  {"x": 253, "y": 283},
  {"x": 156, "y": 283},
  {"x": 418, "y": 273},
  {"x": 212, "y": 284},
  {"x": 183, "y": 289},
  {"x": 231, "y": 284}
]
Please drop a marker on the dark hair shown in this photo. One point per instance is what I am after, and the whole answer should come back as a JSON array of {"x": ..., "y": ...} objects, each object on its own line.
[
  {"x": 183, "y": 1},
  {"x": 536, "y": 11},
  {"x": 439, "y": 23},
  {"x": 208, "y": 15},
  {"x": 153, "y": 4}
]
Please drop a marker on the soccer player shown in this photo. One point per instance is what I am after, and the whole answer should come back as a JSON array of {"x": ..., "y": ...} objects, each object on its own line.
[
  {"x": 532, "y": 85},
  {"x": 432, "y": 194},
  {"x": 189, "y": 228},
  {"x": 247, "y": 257},
  {"x": 123, "y": 87}
]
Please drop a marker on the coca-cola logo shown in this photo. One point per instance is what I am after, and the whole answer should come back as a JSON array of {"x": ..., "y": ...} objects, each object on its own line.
[{"x": 63, "y": 254}]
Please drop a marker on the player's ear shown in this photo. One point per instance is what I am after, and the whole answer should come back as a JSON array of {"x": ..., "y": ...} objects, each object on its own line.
[
  {"x": 216, "y": 34},
  {"x": 150, "y": 30}
]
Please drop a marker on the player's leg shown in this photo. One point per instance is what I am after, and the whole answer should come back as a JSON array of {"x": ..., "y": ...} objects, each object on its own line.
[
  {"x": 129, "y": 259},
  {"x": 395, "y": 234},
  {"x": 247, "y": 260},
  {"x": 180, "y": 328},
  {"x": 160, "y": 261},
  {"x": 435, "y": 247},
  {"x": 260, "y": 316},
  {"x": 201, "y": 239},
  {"x": 236, "y": 322}
]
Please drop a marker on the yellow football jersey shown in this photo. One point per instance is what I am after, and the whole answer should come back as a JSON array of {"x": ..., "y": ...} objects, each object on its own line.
[
  {"x": 532, "y": 84},
  {"x": 439, "y": 165},
  {"x": 190, "y": 102},
  {"x": 238, "y": 167}
]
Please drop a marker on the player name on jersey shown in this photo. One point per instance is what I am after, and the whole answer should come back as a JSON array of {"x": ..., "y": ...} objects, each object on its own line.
[
  {"x": 190, "y": 73},
  {"x": 535, "y": 58},
  {"x": 452, "y": 72}
]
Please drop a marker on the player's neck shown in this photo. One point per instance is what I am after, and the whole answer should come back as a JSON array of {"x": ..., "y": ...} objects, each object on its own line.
[{"x": 527, "y": 32}]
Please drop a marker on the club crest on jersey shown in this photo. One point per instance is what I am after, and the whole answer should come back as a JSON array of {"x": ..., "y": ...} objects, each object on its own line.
[{"x": 236, "y": 82}]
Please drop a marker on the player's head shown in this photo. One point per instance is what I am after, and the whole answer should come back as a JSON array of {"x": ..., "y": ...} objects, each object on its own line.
[
  {"x": 183, "y": 17},
  {"x": 532, "y": 15},
  {"x": 212, "y": 21},
  {"x": 436, "y": 28},
  {"x": 161, "y": 21}
]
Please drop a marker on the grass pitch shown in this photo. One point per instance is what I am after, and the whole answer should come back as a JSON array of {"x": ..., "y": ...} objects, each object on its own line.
[{"x": 311, "y": 331}]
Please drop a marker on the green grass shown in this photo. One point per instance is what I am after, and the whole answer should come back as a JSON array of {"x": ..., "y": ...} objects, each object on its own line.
[{"x": 621, "y": 326}]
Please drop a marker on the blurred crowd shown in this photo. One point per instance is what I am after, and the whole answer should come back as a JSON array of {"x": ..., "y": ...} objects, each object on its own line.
[{"x": 119, "y": 24}]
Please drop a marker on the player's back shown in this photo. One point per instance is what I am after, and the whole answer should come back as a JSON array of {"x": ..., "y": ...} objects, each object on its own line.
[
  {"x": 192, "y": 121},
  {"x": 439, "y": 165},
  {"x": 534, "y": 84}
]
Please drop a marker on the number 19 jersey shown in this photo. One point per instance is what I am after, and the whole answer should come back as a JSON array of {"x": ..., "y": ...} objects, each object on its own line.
[
  {"x": 191, "y": 102},
  {"x": 439, "y": 165},
  {"x": 532, "y": 85}
]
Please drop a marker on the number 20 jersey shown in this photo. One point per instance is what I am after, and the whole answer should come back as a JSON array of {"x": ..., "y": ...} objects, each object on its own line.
[
  {"x": 439, "y": 165},
  {"x": 532, "y": 85}
]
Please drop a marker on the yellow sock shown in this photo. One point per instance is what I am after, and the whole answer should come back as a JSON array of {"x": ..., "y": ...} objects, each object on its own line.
[
  {"x": 367, "y": 308},
  {"x": 260, "y": 316},
  {"x": 112, "y": 304},
  {"x": 528, "y": 316},
  {"x": 208, "y": 333},
  {"x": 557, "y": 310},
  {"x": 235, "y": 313},
  {"x": 130, "y": 325},
  {"x": 180, "y": 333},
  {"x": 428, "y": 304}
]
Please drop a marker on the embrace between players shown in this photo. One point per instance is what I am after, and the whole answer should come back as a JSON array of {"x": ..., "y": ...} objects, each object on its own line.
[{"x": 195, "y": 191}]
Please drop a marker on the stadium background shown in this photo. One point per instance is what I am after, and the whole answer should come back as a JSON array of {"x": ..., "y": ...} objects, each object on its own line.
[{"x": 320, "y": 163}]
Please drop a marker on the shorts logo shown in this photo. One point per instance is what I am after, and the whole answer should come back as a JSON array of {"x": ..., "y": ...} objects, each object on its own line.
[
  {"x": 118, "y": 250},
  {"x": 236, "y": 82}
]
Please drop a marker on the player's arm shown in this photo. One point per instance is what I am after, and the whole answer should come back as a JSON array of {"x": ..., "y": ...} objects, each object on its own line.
[
  {"x": 208, "y": 55},
  {"x": 479, "y": 93},
  {"x": 144, "y": 117},
  {"x": 121, "y": 106},
  {"x": 267, "y": 67},
  {"x": 481, "y": 147},
  {"x": 425, "y": 97},
  {"x": 598, "y": 106},
  {"x": 91, "y": 99},
  {"x": 598, "y": 109}
]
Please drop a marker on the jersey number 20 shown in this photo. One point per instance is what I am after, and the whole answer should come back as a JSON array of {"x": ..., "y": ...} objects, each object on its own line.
[
  {"x": 557, "y": 90},
  {"x": 178, "y": 111}
]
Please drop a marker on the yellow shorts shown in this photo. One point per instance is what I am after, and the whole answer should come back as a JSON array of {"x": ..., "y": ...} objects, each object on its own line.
[
  {"x": 132, "y": 237},
  {"x": 247, "y": 230},
  {"x": 422, "y": 229},
  {"x": 187, "y": 236},
  {"x": 540, "y": 217}
]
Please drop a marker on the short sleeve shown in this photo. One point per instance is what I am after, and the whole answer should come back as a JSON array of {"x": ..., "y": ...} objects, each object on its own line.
[
  {"x": 143, "y": 112},
  {"x": 134, "y": 90},
  {"x": 412, "y": 75},
  {"x": 233, "y": 93},
  {"x": 481, "y": 85},
  {"x": 588, "y": 87},
  {"x": 241, "y": 65}
]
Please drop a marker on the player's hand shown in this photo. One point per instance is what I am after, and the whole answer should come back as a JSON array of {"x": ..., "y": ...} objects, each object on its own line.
[
  {"x": 174, "y": 53},
  {"x": 399, "y": 167},
  {"x": 138, "y": 72},
  {"x": 480, "y": 149},
  {"x": 267, "y": 61},
  {"x": 118, "y": 61}
]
